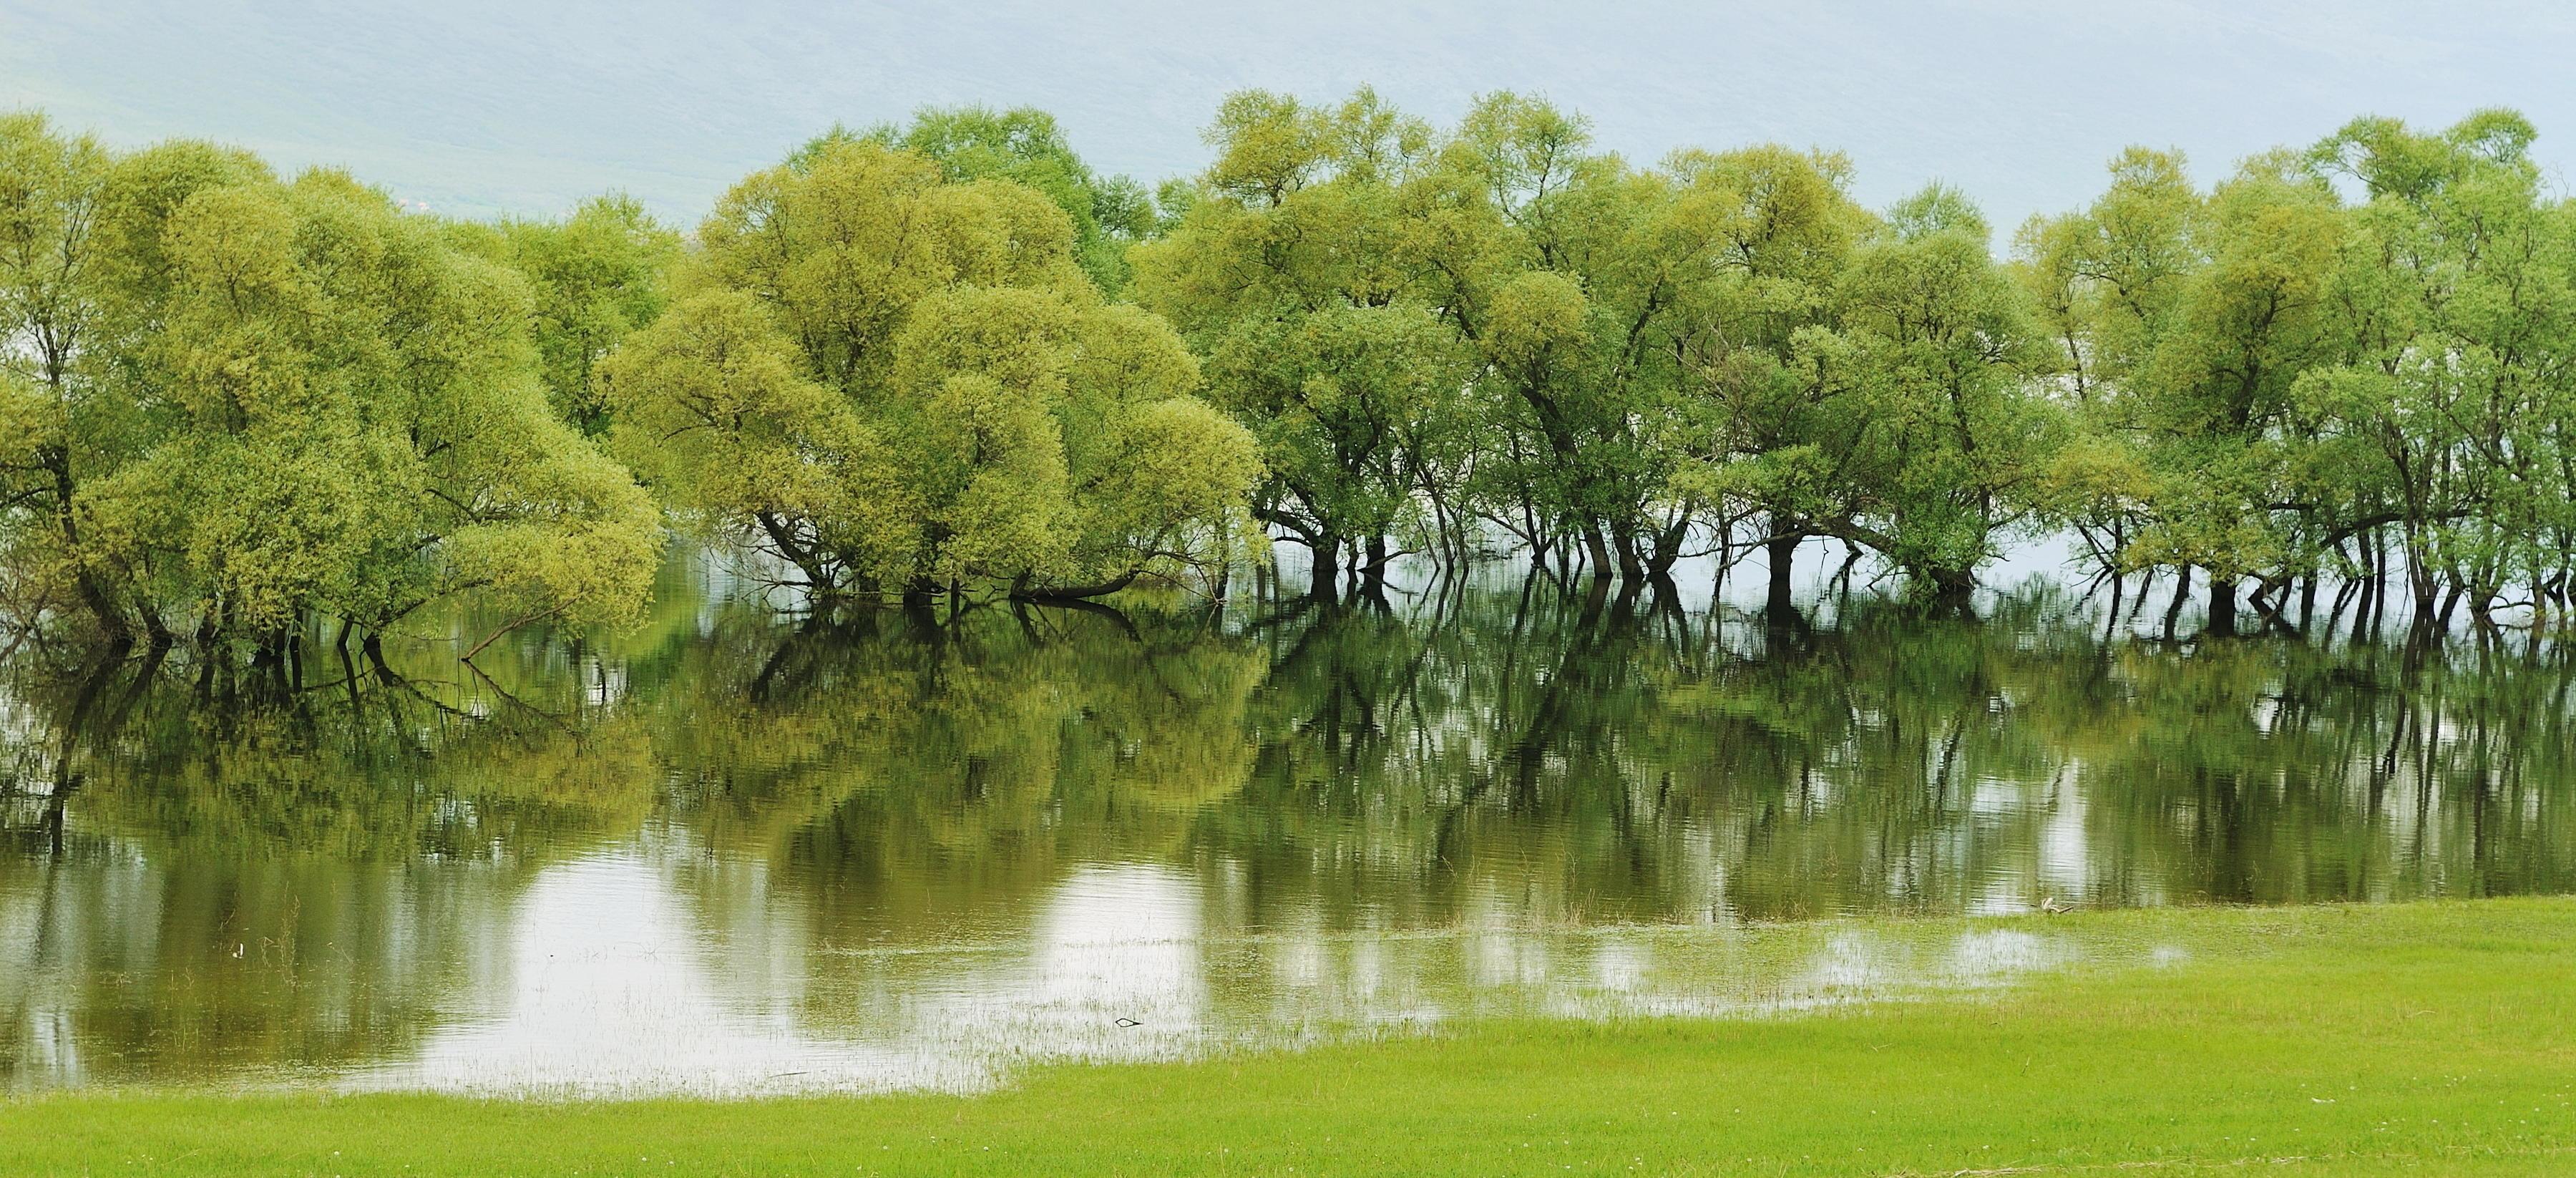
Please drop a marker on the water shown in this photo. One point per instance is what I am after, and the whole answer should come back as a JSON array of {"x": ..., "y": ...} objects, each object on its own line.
[{"x": 733, "y": 852}]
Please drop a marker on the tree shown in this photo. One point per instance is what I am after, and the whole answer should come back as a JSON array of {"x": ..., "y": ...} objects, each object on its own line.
[
  {"x": 262, "y": 402},
  {"x": 1569, "y": 273},
  {"x": 53, "y": 194},
  {"x": 1941, "y": 340},
  {"x": 595, "y": 276},
  {"x": 1775, "y": 425},
  {"x": 1024, "y": 146},
  {"x": 1289, "y": 276},
  {"x": 2452, "y": 417},
  {"x": 888, "y": 379},
  {"x": 2271, "y": 379},
  {"x": 2103, "y": 283},
  {"x": 2187, "y": 320},
  {"x": 2214, "y": 399}
]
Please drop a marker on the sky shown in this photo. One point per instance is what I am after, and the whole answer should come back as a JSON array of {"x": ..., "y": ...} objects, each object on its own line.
[{"x": 478, "y": 107}]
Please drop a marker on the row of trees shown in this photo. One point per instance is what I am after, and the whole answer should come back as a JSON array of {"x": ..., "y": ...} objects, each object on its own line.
[
  {"x": 1499, "y": 331},
  {"x": 240, "y": 406},
  {"x": 949, "y": 356},
  {"x": 2346, "y": 365}
]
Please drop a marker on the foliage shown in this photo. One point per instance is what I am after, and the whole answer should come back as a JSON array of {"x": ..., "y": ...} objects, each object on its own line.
[
  {"x": 1026, "y": 147},
  {"x": 595, "y": 276},
  {"x": 888, "y": 378},
  {"x": 247, "y": 402},
  {"x": 898, "y": 362},
  {"x": 1495, "y": 322},
  {"x": 1291, "y": 277},
  {"x": 2276, "y": 378}
]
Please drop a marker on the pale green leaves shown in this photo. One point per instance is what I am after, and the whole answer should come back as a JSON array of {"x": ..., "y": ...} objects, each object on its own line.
[
  {"x": 893, "y": 378},
  {"x": 276, "y": 401}
]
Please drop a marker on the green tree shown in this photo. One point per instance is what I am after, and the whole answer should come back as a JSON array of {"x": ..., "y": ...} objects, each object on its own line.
[
  {"x": 1291, "y": 278},
  {"x": 887, "y": 379},
  {"x": 2103, "y": 283},
  {"x": 263, "y": 402},
  {"x": 1024, "y": 146},
  {"x": 53, "y": 194},
  {"x": 2186, "y": 320},
  {"x": 2453, "y": 416},
  {"x": 1940, "y": 339},
  {"x": 595, "y": 276}
]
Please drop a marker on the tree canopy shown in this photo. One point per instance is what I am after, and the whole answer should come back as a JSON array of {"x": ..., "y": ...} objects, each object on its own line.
[
  {"x": 233, "y": 401},
  {"x": 948, "y": 357},
  {"x": 1497, "y": 325},
  {"x": 890, "y": 379}
]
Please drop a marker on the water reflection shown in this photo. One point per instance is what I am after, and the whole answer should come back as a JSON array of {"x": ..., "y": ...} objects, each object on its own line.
[
  {"x": 603, "y": 990},
  {"x": 740, "y": 852}
]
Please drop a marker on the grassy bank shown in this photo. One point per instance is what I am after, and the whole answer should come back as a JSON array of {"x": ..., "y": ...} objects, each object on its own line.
[{"x": 2423, "y": 1039}]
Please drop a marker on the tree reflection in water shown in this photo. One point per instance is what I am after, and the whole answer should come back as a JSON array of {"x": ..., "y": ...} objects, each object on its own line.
[{"x": 886, "y": 848}]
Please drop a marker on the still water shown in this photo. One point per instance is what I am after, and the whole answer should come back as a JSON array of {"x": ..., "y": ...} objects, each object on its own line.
[{"x": 733, "y": 851}]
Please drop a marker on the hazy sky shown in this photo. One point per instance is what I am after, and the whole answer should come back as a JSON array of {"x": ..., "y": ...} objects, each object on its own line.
[{"x": 525, "y": 105}]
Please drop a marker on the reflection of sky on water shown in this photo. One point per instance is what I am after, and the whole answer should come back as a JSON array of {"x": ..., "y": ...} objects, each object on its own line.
[
  {"x": 600, "y": 991},
  {"x": 609, "y": 986}
]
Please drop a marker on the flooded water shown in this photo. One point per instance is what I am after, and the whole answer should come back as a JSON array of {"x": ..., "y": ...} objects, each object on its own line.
[{"x": 736, "y": 852}]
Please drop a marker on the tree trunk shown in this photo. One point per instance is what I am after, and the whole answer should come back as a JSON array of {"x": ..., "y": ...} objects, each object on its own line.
[
  {"x": 1950, "y": 587},
  {"x": 1597, "y": 549},
  {"x": 1631, "y": 568},
  {"x": 818, "y": 579},
  {"x": 1783, "y": 550},
  {"x": 1373, "y": 569},
  {"x": 1668, "y": 548},
  {"x": 94, "y": 595},
  {"x": 2181, "y": 597},
  {"x": 1328, "y": 565},
  {"x": 2222, "y": 605},
  {"x": 1023, "y": 591},
  {"x": 2419, "y": 577},
  {"x": 1220, "y": 578}
]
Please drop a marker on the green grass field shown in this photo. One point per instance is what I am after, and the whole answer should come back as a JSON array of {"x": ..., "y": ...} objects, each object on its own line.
[{"x": 2435, "y": 1039}]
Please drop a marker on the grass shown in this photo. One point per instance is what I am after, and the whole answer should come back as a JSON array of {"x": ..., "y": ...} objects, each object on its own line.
[{"x": 2433, "y": 1039}]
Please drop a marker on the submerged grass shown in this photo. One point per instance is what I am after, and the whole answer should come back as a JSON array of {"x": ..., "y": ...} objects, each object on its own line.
[{"x": 2435, "y": 1039}]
